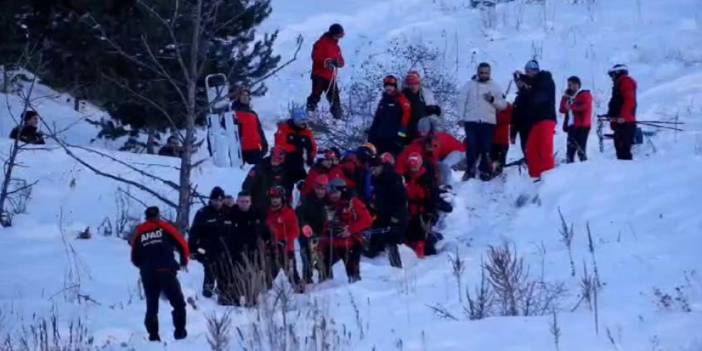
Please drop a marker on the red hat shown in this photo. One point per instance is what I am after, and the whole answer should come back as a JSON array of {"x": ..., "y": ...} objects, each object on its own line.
[
  {"x": 390, "y": 80},
  {"x": 321, "y": 180},
  {"x": 330, "y": 155},
  {"x": 415, "y": 160},
  {"x": 413, "y": 78}
]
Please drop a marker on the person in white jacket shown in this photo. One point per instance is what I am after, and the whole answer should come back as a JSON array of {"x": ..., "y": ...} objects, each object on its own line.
[{"x": 480, "y": 99}]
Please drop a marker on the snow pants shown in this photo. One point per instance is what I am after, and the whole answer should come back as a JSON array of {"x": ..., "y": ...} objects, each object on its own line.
[
  {"x": 321, "y": 86},
  {"x": 166, "y": 282},
  {"x": 539, "y": 148},
  {"x": 623, "y": 139},
  {"x": 351, "y": 256},
  {"x": 498, "y": 154}
]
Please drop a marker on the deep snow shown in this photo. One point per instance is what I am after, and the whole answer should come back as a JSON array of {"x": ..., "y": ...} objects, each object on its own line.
[{"x": 644, "y": 215}]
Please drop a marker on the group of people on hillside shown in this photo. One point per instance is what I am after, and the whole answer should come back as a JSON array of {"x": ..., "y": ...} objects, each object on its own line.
[{"x": 372, "y": 198}]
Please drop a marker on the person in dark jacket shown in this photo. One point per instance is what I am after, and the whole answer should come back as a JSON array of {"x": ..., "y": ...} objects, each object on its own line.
[
  {"x": 152, "y": 252},
  {"x": 535, "y": 117},
  {"x": 247, "y": 249},
  {"x": 622, "y": 110},
  {"x": 390, "y": 207},
  {"x": 312, "y": 218},
  {"x": 296, "y": 138},
  {"x": 326, "y": 60},
  {"x": 28, "y": 131},
  {"x": 207, "y": 239},
  {"x": 576, "y": 106},
  {"x": 172, "y": 148},
  {"x": 388, "y": 131},
  {"x": 253, "y": 142},
  {"x": 271, "y": 171},
  {"x": 422, "y": 103}
]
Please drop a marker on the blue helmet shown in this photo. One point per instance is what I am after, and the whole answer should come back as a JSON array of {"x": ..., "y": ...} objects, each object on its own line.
[{"x": 298, "y": 115}]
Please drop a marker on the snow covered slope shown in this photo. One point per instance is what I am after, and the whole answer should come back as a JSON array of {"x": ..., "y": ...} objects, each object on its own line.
[{"x": 644, "y": 216}]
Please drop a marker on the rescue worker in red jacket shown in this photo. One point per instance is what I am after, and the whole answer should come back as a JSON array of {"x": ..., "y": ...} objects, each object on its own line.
[
  {"x": 622, "y": 110},
  {"x": 439, "y": 148},
  {"x": 500, "y": 143},
  {"x": 296, "y": 139},
  {"x": 326, "y": 60},
  {"x": 284, "y": 230},
  {"x": 347, "y": 219},
  {"x": 152, "y": 252},
  {"x": 253, "y": 142},
  {"x": 328, "y": 166},
  {"x": 391, "y": 121},
  {"x": 576, "y": 107},
  {"x": 421, "y": 198}
]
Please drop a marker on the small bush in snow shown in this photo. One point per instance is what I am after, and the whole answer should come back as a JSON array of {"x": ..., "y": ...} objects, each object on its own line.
[{"x": 48, "y": 333}]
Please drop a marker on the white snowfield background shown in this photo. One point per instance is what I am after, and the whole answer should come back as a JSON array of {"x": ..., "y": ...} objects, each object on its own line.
[{"x": 645, "y": 216}]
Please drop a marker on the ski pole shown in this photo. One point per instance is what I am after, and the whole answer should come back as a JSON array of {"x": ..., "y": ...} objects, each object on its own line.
[{"x": 659, "y": 126}]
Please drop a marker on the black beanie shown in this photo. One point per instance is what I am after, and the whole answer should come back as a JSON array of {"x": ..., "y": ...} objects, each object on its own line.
[
  {"x": 151, "y": 212},
  {"x": 336, "y": 29},
  {"x": 217, "y": 193}
]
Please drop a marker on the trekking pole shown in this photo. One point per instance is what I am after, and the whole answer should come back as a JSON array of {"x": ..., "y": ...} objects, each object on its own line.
[
  {"x": 661, "y": 122},
  {"x": 659, "y": 126}
]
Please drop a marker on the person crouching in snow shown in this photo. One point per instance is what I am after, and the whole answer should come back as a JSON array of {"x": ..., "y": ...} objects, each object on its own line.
[
  {"x": 253, "y": 142},
  {"x": 298, "y": 142},
  {"x": 284, "y": 230},
  {"x": 421, "y": 198},
  {"x": 576, "y": 106},
  {"x": 152, "y": 252},
  {"x": 347, "y": 219},
  {"x": 388, "y": 131}
]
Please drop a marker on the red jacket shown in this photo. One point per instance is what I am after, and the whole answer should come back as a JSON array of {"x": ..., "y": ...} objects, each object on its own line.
[
  {"x": 580, "y": 109},
  {"x": 331, "y": 173},
  {"x": 326, "y": 48},
  {"x": 153, "y": 245},
  {"x": 250, "y": 130},
  {"x": 418, "y": 193},
  {"x": 291, "y": 139},
  {"x": 443, "y": 145},
  {"x": 356, "y": 217},
  {"x": 504, "y": 119},
  {"x": 283, "y": 225},
  {"x": 623, "y": 101}
]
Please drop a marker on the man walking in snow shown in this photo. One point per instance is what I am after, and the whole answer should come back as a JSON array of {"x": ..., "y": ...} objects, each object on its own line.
[
  {"x": 622, "y": 110},
  {"x": 207, "y": 239},
  {"x": 576, "y": 107},
  {"x": 326, "y": 60},
  {"x": 535, "y": 116},
  {"x": 253, "y": 142},
  {"x": 481, "y": 99},
  {"x": 152, "y": 252}
]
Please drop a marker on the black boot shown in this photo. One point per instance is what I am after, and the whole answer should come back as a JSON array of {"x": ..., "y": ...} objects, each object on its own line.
[
  {"x": 394, "y": 256},
  {"x": 180, "y": 334},
  {"x": 154, "y": 337}
]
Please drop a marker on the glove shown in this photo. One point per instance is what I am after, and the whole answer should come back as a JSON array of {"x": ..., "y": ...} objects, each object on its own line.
[
  {"x": 307, "y": 231},
  {"x": 434, "y": 110},
  {"x": 331, "y": 64}
]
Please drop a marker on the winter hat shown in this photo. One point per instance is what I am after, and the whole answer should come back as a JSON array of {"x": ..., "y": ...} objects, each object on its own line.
[
  {"x": 330, "y": 154},
  {"x": 298, "y": 115},
  {"x": 426, "y": 125},
  {"x": 415, "y": 160},
  {"x": 151, "y": 212},
  {"x": 532, "y": 65},
  {"x": 337, "y": 184},
  {"x": 336, "y": 29},
  {"x": 217, "y": 193},
  {"x": 366, "y": 152},
  {"x": 413, "y": 78},
  {"x": 387, "y": 158},
  {"x": 618, "y": 68},
  {"x": 390, "y": 80}
]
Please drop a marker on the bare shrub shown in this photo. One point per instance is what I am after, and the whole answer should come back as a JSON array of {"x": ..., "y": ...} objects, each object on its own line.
[
  {"x": 219, "y": 330},
  {"x": 49, "y": 333},
  {"x": 458, "y": 266},
  {"x": 480, "y": 304},
  {"x": 517, "y": 294},
  {"x": 555, "y": 330},
  {"x": 567, "y": 234}
]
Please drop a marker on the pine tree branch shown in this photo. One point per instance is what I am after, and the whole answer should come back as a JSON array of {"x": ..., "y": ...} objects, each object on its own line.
[{"x": 299, "y": 41}]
